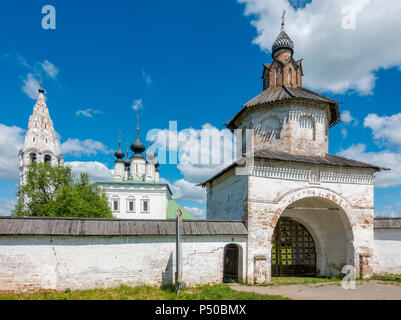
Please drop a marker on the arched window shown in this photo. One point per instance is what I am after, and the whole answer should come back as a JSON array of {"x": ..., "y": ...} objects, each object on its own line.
[
  {"x": 271, "y": 128},
  {"x": 243, "y": 141},
  {"x": 289, "y": 76},
  {"x": 145, "y": 205},
  {"x": 307, "y": 128},
  {"x": 277, "y": 76},
  {"x": 48, "y": 158},
  {"x": 131, "y": 205},
  {"x": 33, "y": 157},
  {"x": 115, "y": 204}
]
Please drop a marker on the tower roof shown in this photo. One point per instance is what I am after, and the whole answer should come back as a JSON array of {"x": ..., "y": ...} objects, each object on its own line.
[
  {"x": 138, "y": 147},
  {"x": 119, "y": 153},
  {"x": 283, "y": 41}
]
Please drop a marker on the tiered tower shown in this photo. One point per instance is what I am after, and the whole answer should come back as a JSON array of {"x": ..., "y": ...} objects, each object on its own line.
[{"x": 41, "y": 143}]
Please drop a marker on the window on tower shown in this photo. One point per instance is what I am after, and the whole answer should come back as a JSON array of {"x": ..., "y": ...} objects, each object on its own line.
[
  {"x": 48, "y": 159},
  {"x": 271, "y": 128},
  {"x": 33, "y": 157}
]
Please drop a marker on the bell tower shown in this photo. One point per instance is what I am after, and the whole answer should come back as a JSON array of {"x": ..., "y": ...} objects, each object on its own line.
[
  {"x": 286, "y": 117},
  {"x": 41, "y": 144}
]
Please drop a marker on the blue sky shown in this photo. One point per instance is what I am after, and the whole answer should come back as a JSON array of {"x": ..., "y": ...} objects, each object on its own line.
[{"x": 195, "y": 62}]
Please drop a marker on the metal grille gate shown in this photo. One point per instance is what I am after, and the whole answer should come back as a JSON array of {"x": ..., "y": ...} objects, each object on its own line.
[{"x": 293, "y": 250}]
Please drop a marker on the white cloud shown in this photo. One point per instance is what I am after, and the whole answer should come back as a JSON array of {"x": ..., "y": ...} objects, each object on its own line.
[
  {"x": 344, "y": 132},
  {"x": 385, "y": 158},
  {"x": 11, "y": 141},
  {"x": 184, "y": 190},
  {"x": 201, "y": 153},
  {"x": 31, "y": 86},
  {"x": 6, "y": 206},
  {"x": 385, "y": 129},
  {"x": 147, "y": 78},
  {"x": 89, "y": 113},
  {"x": 137, "y": 105},
  {"x": 50, "y": 69},
  {"x": 96, "y": 170},
  {"x": 335, "y": 59},
  {"x": 199, "y": 213},
  {"x": 347, "y": 118},
  {"x": 86, "y": 147}
]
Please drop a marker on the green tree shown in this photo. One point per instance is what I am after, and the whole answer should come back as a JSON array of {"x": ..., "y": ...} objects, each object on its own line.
[{"x": 55, "y": 192}]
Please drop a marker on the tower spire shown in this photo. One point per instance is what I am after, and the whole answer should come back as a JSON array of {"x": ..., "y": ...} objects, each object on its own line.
[{"x": 283, "y": 20}]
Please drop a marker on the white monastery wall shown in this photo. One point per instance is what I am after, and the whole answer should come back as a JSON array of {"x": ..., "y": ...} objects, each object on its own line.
[
  {"x": 55, "y": 263},
  {"x": 224, "y": 205},
  {"x": 387, "y": 251}
]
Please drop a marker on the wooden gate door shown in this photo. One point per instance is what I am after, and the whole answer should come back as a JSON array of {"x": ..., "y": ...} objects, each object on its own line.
[{"x": 230, "y": 263}]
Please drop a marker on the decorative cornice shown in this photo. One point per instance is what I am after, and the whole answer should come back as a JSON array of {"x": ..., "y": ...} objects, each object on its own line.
[{"x": 313, "y": 174}]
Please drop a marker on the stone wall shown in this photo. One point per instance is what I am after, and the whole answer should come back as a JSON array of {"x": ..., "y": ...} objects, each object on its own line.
[
  {"x": 31, "y": 263},
  {"x": 299, "y": 130},
  {"x": 387, "y": 251}
]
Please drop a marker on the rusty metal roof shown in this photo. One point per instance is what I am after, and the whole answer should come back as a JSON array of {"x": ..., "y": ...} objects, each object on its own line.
[
  {"x": 283, "y": 93},
  {"x": 115, "y": 227}
]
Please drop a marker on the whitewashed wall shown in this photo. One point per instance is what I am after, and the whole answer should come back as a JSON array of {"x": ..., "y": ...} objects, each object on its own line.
[
  {"x": 158, "y": 195},
  {"x": 387, "y": 251},
  {"x": 42, "y": 262}
]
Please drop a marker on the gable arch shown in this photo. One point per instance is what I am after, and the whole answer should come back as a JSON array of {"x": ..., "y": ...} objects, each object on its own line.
[{"x": 323, "y": 194}]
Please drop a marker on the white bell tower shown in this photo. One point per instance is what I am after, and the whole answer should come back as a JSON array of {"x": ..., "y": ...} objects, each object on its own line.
[{"x": 41, "y": 143}]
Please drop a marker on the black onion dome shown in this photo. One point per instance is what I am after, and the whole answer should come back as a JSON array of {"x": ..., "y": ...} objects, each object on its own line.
[
  {"x": 119, "y": 154},
  {"x": 283, "y": 41},
  {"x": 138, "y": 147},
  {"x": 127, "y": 163}
]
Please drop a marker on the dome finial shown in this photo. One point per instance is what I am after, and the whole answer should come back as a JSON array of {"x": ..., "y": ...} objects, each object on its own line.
[
  {"x": 283, "y": 20},
  {"x": 137, "y": 125},
  {"x": 41, "y": 90}
]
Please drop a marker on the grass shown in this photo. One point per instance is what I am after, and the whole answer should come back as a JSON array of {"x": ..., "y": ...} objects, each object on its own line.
[
  {"x": 278, "y": 281},
  {"x": 206, "y": 292}
]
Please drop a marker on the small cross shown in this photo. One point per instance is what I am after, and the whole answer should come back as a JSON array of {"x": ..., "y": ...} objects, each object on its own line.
[{"x": 283, "y": 19}]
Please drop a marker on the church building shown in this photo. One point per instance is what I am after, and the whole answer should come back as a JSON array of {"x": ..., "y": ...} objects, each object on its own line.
[{"x": 136, "y": 191}]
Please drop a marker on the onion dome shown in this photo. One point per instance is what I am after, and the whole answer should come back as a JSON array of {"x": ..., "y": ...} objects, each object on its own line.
[
  {"x": 119, "y": 154},
  {"x": 138, "y": 147},
  {"x": 283, "y": 41}
]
